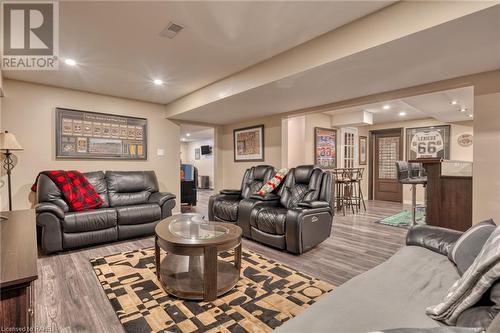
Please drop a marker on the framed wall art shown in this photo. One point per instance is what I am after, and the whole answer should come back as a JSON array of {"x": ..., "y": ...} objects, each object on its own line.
[
  {"x": 92, "y": 135},
  {"x": 363, "y": 150},
  {"x": 464, "y": 140},
  {"x": 428, "y": 142},
  {"x": 248, "y": 144},
  {"x": 325, "y": 147}
]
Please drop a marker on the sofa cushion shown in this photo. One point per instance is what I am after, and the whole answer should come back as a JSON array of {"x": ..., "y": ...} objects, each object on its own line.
[
  {"x": 79, "y": 239},
  {"x": 130, "y": 187},
  {"x": 138, "y": 214},
  {"x": 270, "y": 220},
  {"x": 89, "y": 220},
  {"x": 468, "y": 246},
  {"x": 392, "y": 295},
  {"x": 226, "y": 209},
  {"x": 478, "y": 316},
  {"x": 98, "y": 180}
]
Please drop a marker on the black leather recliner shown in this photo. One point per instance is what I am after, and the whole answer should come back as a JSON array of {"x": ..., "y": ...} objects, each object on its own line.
[
  {"x": 224, "y": 206},
  {"x": 297, "y": 217},
  {"x": 132, "y": 208}
]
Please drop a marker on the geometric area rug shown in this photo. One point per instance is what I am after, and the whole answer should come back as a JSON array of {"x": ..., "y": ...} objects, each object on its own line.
[{"x": 267, "y": 295}]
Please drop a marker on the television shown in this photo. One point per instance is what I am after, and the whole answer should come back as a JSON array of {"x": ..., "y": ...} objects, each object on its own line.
[{"x": 206, "y": 150}]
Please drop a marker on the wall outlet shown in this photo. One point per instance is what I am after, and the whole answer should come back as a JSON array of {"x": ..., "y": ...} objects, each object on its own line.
[{"x": 160, "y": 152}]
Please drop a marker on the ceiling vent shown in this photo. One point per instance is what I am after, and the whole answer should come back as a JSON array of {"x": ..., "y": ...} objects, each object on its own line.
[{"x": 171, "y": 30}]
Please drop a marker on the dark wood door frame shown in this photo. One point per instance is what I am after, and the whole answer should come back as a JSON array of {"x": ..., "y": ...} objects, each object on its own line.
[{"x": 371, "y": 153}]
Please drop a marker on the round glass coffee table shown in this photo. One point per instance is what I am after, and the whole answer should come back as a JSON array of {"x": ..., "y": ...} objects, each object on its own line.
[{"x": 190, "y": 269}]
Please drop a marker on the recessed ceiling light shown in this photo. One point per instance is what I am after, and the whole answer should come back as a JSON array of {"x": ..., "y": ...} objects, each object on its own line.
[
  {"x": 70, "y": 62},
  {"x": 470, "y": 116},
  {"x": 188, "y": 134},
  {"x": 463, "y": 109},
  {"x": 183, "y": 139},
  {"x": 386, "y": 107},
  {"x": 158, "y": 82},
  {"x": 402, "y": 114},
  {"x": 454, "y": 102}
]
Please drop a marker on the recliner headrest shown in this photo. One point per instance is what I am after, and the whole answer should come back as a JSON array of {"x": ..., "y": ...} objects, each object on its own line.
[
  {"x": 259, "y": 171},
  {"x": 303, "y": 173}
]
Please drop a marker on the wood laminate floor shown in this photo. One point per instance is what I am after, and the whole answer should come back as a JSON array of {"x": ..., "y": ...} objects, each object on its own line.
[{"x": 70, "y": 299}]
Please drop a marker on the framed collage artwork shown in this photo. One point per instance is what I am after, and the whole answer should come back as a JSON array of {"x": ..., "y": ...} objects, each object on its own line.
[{"x": 248, "y": 144}]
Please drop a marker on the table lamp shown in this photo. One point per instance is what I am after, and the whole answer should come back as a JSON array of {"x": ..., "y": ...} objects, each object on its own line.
[{"x": 8, "y": 143}]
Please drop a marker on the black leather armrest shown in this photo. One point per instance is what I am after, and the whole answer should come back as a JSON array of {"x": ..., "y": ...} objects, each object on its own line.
[
  {"x": 314, "y": 204},
  {"x": 47, "y": 207},
  {"x": 160, "y": 197},
  {"x": 267, "y": 197},
  {"x": 433, "y": 238},
  {"x": 231, "y": 192}
]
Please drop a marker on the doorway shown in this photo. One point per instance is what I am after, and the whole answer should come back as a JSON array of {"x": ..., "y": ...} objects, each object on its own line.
[
  {"x": 197, "y": 166},
  {"x": 387, "y": 146}
]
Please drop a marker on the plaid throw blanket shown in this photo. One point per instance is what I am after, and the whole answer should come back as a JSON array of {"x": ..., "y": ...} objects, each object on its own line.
[
  {"x": 478, "y": 279},
  {"x": 78, "y": 193}
]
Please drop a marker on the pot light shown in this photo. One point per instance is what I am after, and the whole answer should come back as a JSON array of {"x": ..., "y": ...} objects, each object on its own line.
[
  {"x": 386, "y": 107},
  {"x": 402, "y": 114},
  {"x": 183, "y": 139},
  {"x": 158, "y": 82},
  {"x": 463, "y": 109},
  {"x": 188, "y": 134},
  {"x": 454, "y": 102},
  {"x": 470, "y": 116},
  {"x": 70, "y": 62}
]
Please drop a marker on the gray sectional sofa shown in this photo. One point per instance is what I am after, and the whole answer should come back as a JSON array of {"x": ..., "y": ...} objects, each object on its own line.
[
  {"x": 132, "y": 208},
  {"x": 393, "y": 295}
]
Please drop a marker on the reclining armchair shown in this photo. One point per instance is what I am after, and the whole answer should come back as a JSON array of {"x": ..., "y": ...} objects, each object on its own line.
[
  {"x": 297, "y": 217},
  {"x": 224, "y": 206}
]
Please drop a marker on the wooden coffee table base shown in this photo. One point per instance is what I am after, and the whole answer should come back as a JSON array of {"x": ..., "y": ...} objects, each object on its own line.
[{"x": 197, "y": 277}]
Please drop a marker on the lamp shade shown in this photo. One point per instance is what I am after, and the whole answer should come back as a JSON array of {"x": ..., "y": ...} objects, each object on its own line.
[{"x": 8, "y": 142}]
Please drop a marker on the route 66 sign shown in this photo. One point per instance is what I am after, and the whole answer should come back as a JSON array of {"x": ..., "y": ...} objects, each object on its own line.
[{"x": 428, "y": 142}]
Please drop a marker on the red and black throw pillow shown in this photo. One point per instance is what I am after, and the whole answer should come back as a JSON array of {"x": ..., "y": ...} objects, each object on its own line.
[{"x": 76, "y": 189}]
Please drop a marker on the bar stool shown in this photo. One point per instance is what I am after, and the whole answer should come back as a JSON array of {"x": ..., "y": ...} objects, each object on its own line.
[{"x": 412, "y": 174}]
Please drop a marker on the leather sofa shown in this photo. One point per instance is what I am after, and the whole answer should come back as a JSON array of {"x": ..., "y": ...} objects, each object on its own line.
[
  {"x": 132, "y": 208},
  {"x": 393, "y": 296},
  {"x": 224, "y": 206},
  {"x": 296, "y": 217}
]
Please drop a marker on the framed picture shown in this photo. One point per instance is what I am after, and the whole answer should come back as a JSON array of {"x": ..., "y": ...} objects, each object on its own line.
[
  {"x": 428, "y": 142},
  {"x": 248, "y": 144},
  {"x": 92, "y": 135},
  {"x": 197, "y": 153},
  {"x": 325, "y": 147},
  {"x": 363, "y": 146}
]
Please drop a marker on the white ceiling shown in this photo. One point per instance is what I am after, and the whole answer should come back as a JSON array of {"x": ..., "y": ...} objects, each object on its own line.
[
  {"x": 191, "y": 133},
  {"x": 434, "y": 105},
  {"x": 464, "y": 46},
  {"x": 119, "y": 50}
]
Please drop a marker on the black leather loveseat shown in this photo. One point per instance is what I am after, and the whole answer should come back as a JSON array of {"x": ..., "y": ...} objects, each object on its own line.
[
  {"x": 132, "y": 208},
  {"x": 296, "y": 217}
]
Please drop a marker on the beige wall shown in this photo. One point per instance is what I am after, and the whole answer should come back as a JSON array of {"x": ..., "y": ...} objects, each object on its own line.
[
  {"x": 2, "y": 170},
  {"x": 28, "y": 112},
  {"x": 205, "y": 164},
  {"x": 487, "y": 156},
  {"x": 293, "y": 141},
  {"x": 230, "y": 172}
]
